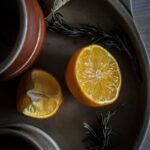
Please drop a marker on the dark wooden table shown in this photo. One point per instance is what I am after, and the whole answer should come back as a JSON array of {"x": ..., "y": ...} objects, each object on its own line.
[{"x": 141, "y": 14}]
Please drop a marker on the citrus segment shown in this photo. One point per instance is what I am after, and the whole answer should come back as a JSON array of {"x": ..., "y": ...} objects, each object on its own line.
[{"x": 39, "y": 94}]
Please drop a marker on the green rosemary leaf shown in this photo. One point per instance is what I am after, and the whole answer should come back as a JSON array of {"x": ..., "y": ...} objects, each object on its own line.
[
  {"x": 98, "y": 133},
  {"x": 112, "y": 39}
]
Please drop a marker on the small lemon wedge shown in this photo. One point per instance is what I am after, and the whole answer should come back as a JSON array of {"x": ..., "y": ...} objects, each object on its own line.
[{"x": 39, "y": 94}]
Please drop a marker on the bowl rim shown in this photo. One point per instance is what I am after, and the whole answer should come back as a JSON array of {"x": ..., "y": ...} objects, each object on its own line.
[
  {"x": 33, "y": 132},
  {"x": 128, "y": 19},
  {"x": 18, "y": 134},
  {"x": 20, "y": 37}
]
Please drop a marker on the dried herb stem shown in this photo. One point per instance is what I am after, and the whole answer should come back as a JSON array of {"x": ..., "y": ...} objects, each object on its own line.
[
  {"x": 112, "y": 39},
  {"x": 98, "y": 134}
]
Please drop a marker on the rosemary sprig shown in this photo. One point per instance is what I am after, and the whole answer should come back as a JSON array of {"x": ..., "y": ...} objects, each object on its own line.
[
  {"x": 98, "y": 134},
  {"x": 112, "y": 39}
]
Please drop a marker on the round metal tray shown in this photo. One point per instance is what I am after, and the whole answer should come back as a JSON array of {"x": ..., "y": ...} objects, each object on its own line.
[{"x": 66, "y": 127}]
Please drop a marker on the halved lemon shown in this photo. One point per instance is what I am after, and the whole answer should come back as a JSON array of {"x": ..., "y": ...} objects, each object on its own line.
[
  {"x": 93, "y": 76},
  {"x": 39, "y": 94}
]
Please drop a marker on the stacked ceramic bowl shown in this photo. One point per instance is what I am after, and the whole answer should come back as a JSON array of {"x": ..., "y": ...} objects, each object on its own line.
[{"x": 25, "y": 137}]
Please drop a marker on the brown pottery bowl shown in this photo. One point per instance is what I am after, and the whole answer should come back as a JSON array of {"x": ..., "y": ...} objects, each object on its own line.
[{"x": 22, "y": 35}]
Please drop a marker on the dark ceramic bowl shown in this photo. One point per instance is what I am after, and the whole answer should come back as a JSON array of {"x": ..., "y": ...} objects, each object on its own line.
[
  {"x": 10, "y": 139},
  {"x": 22, "y": 35},
  {"x": 25, "y": 137}
]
